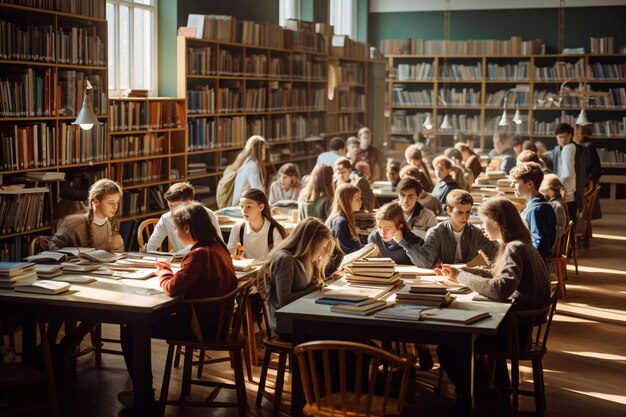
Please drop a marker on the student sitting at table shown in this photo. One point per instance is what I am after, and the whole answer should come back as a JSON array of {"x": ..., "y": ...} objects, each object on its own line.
[
  {"x": 462, "y": 175},
  {"x": 471, "y": 161},
  {"x": 455, "y": 240},
  {"x": 344, "y": 175},
  {"x": 287, "y": 184},
  {"x": 538, "y": 214},
  {"x": 413, "y": 156},
  {"x": 517, "y": 273},
  {"x": 418, "y": 218},
  {"x": 392, "y": 172},
  {"x": 426, "y": 199},
  {"x": 177, "y": 194},
  {"x": 341, "y": 219},
  {"x": 316, "y": 197},
  {"x": 255, "y": 237},
  {"x": 443, "y": 171},
  {"x": 297, "y": 265},
  {"x": 553, "y": 190},
  {"x": 250, "y": 167},
  {"x": 392, "y": 236},
  {"x": 206, "y": 271}
]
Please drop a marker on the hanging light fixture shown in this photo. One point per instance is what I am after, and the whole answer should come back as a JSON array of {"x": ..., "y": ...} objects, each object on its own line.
[
  {"x": 445, "y": 125},
  {"x": 86, "y": 117},
  {"x": 517, "y": 118},
  {"x": 582, "y": 118},
  {"x": 428, "y": 123},
  {"x": 504, "y": 120}
]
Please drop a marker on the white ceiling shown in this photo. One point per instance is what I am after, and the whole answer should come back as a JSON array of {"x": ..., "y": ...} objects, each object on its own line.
[{"x": 384, "y": 6}]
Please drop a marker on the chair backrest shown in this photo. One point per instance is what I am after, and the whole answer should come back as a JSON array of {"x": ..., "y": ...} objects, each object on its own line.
[
  {"x": 322, "y": 362},
  {"x": 144, "y": 231},
  {"x": 590, "y": 199},
  {"x": 38, "y": 244},
  {"x": 229, "y": 310},
  {"x": 537, "y": 324},
  {"x": 562, "y": 243}
]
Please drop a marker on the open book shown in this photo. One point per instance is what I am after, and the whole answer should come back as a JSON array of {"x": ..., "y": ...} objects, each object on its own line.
[
  {"x": 454, "y": 315},
  {"x": 368, "y": 250},
  {"x": 100, "y": 256},
  {"x": 479, "y": 260},
  {"x": 47, "y": 256},
  {"x": 245, "y": 264},
  {"x": 44, "y": 286}
]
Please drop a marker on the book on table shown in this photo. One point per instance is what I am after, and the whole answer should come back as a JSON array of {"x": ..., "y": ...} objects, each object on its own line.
[
  {"x": 47, "y": 256},
  {"x": 454, "y": 315},
  {"x": 360, "y": 310},
  {"x": 428, "y": 288},
  {"x": 401, "y": 312},
  {"x": 141, "y": 273},
  {"x": 80, "y": 266},
  {"x": 374, "y": 280},
  {"x": 12, "y": 281},
  {"x": 44, "y": 286},
  {"x": 367, "y": 250},
  {"x": 99, "y": 255},
  {"x": 48, "y": 270},
  {"x": 73, "y": 250},
  {"x": 74, "y": 278},
  {"x": 10, "y": 269},
  {"x": 245, "y": 264}
]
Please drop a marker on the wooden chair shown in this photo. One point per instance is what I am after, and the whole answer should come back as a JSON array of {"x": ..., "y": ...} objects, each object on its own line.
[
  {"x": 362, "y": 400},
  {"x": 144, "y": 231},
  {"x": 533, "y": 350},
  {"x": 228, "y": 338},
  {"x": 16, "y": 382},
  {"x": 284, "y": 349},
  {"x": 590, "y": 200},
  {"x": 559, "y": 258}
]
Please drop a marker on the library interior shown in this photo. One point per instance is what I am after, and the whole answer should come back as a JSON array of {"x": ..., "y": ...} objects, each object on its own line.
[{"x": 408, "y": 208}]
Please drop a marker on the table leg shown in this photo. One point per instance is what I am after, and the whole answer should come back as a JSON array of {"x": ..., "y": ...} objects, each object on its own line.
[
  {"x": 29, "y": 341},
  {"x": 142, "y": 381},
  {"x": 297, "y": 395},
  {"x": 465, "y": 385},
  {"x": 251, "y": 336}
]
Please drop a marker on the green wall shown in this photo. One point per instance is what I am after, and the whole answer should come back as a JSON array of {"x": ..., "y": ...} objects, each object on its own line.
[
  {"x": 580, "y": 24},
  {"x": 168, "y": 28},
  {"x": 256, "y": 10}
]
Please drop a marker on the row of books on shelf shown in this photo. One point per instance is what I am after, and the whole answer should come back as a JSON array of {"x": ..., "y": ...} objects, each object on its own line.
[
  {"x": 80, "y": 146},
  {"x": 352, "y": 73},
  {"x": 137, "y": 145},
  {"x": 460, "y": 72},
  {"x": 133, "y": 202},
  {"x": 607, "y": 128},
  {"x": 513, "y": 98},
  {"x": 29, "y": 93},
  {"x": 518, "y": 72},
  {"x": 340, "y": 123},
  {"x": 602, "y": 71},
  {"x": 139, "y": 115},
  {"x": 602, "y": 45},
  {"x": 612, "y": 156},
  {"x": 26, "y": 147},
  {"x": 139, "y": 172},
  {"x": 23, "y": 209},
  {"x": 514, "y": 46},
  {"x": 344, "y": 47},
  {"x": 561, "y": 70},
  {"x": 92, "y": 8},
  {"x": 72, "y": 91}
]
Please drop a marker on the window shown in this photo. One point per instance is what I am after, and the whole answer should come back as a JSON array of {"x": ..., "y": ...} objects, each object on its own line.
[
  {"x": 343, "y": 17},
  {"x": 288, "y": 9},
  {"x": 132, "y": 45}
]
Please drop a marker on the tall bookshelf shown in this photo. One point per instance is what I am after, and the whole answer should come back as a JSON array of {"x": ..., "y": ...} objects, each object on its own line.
[
  {"x": 47, "y": 53},
  {"x": 236, "y": 90}
]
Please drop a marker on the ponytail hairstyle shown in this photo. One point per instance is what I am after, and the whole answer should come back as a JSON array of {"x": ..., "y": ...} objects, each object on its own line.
[
  {"x": 259, "y": 196},
  {"x": 195, "y": 216},
  {"x": 342, "y": 205},
  {"x": 393, "y": 212},
  {"x": 508, "y": 219},
  {"x": 320, "y": 184},
  {"x": 254, "y": 150},
  {"x": 308, "y": 235},
  {"x": 411, "y": 153},
  {"x": 98, "y": 191},
  {"x": 553, "y": 183}
]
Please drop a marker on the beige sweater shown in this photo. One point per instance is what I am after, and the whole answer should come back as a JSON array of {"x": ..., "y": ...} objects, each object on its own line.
[{"x": 74, "y": 231}]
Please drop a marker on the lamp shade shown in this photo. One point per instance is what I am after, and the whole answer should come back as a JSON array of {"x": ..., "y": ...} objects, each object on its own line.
[
  {"x": 504, "y": 121},
  {"x": 517, "y": 118},
  {"x": 428, "y": 123},
  {"x": 86, "y": 117},
  {"x": 582, "y": 118},
  {"x": 445, "y": 125}
]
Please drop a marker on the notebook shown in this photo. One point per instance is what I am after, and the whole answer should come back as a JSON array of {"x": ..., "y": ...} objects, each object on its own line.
[
  {"x": 44, "y": 286},
  {"x": 453, "y": 315},
  {"x": 362, "y": 310}
]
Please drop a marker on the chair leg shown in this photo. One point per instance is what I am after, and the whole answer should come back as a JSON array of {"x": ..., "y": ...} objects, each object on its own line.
[
  {"x": 515, "y": 387},
  {"x": 177, "y": 357},
  {"x": 539, "y": 388},
  {"x": 251, "y": 335},
  {"x": 263, "y": 378},
  {"x": 440, "y": 382},
  {"x": 185, "y": 387},
  {"x": 166, "y": 375},
  {"x": 575, "y": 251},
  {"x": 280, "y": 381},
  {"x": 52, "y": 392},
  {"x": 200, "y": 363},
  {"x": 240, "y": 383},
  {"x": 96, "y": 342},
  {"x": 246, "y": 361},
  {"x": 561, "y": 270}
]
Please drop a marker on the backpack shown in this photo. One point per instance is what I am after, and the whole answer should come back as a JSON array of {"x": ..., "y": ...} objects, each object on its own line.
[
  {"x": 225, "y": 188},
  {"x": 270, "y": 236}
]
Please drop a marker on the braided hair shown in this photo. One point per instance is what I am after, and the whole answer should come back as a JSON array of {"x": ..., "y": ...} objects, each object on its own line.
[{"x": 98, "y": 191}]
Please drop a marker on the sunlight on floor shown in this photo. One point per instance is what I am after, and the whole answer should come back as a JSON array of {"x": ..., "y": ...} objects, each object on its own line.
[
  {"x": 620, "y": 399},
  {"x": 598, "y": 355},
  {"x": 570, "y": 319},
  {"x": 611, "y": 237},
  {"x": 584, "y": 310},
  {"x": 595, "y": 270}
]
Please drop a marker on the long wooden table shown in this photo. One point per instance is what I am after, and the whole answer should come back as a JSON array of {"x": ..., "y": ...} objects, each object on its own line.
[
  {"x": 107, "y": 300},
  {"x": 307, "y": 321}
]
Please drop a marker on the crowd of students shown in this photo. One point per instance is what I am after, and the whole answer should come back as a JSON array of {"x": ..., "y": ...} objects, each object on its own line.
[{"x": 517, "y": 246}]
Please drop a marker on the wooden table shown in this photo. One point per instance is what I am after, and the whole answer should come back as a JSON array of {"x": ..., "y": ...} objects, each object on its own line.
[{"x": 307, "y": 321}]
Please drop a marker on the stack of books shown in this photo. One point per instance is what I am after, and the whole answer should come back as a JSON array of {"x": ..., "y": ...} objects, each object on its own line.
[
  {"x": 503, "y": 186},
  {"x": 375, "y": 271},
  {"x": 16, "y": 273},
  {"x": 355, "y": 301},
  {"x": 424, "y": 294}
]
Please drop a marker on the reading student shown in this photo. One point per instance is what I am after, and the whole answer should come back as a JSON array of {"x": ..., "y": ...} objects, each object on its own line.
[
  {"x": 259, "y": 232},
  {"x": 455, "y": 240},
  {"x": 393, "y": 237},
  {"x": 517, "y": 273},
  {"x": 177, "y": 194},
  {"x": 96, "y": 228},
  {"x": 287, "y": 184},
  {"x": 297, "y": 265},
  {"x": 206, "y": 271},
  {"x": 249, "y": 167},
  {"x": 418, "y": 218},
  {"x": 413, "y": 156},
  {"x": 344, "y": 175},
  {"x": 341, "y": 219},
  {"x": 316, "y": 198}
]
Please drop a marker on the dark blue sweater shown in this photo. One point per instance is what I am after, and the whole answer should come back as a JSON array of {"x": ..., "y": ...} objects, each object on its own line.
[
  {"x": 404, "y": 252},
  {"x": 541, "y": 220},
  {"x": 339, "y": 227}
]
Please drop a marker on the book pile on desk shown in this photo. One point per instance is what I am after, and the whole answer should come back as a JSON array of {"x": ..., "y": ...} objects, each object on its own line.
[
  {"x": 13, "y": 274},
  {"x": 375, "y": 271},
  {"x": 424, "y": 294},
  {"x": 357, "y": 301}
]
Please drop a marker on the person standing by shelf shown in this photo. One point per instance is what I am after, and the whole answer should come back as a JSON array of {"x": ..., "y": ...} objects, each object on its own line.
[
  {"x": 594, "y": 169},
  {"x": 250, "y": 167},
  {"x": 369, "y": 153}
]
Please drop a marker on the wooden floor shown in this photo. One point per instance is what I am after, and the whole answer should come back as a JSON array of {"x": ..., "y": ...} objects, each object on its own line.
[{"x": 585, "y": 368}]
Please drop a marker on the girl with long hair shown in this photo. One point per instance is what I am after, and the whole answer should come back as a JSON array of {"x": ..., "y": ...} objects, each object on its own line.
[
  {"x": 287, "y": 184},
  {"x": 341, "y": 220},
  {"x": 316, "y": 198},
  {"x": 344, "y": 175},
  {"x": 297, "y": 265},
  {"x": 250, "y": 168},
  {"x": 259, "y": 232},
  {"x": 97, "y": 228},
  {"x": 554, "y": 191},
  {"x": 393, "y": 237},
  {"x": 413, "y": 156}
]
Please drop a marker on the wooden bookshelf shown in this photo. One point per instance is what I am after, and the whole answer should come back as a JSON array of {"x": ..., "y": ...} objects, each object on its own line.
[
  {"x": 473, "y": 90},
  {"x": 347, "y": 112},
  {"x": 42, "y": 78}
]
